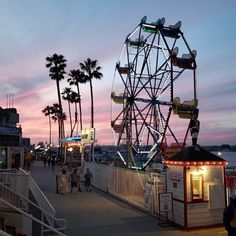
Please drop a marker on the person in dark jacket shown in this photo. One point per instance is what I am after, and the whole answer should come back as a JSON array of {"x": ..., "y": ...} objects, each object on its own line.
[
  {"x": 229, "y": 216},
  {"x": 194, "y": 127},
  {"x": 88, "y": 177}
]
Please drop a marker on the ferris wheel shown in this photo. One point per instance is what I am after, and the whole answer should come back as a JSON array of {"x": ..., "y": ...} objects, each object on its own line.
[{"x": 153, "y": 88}]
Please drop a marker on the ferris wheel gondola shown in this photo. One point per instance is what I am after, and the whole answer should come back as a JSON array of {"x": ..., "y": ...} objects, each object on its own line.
[{"x": 145, "y": 95}]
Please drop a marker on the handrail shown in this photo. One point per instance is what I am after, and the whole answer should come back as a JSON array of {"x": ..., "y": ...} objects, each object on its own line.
[
  {"x": 24, "y": 171},
  {"x": 3, "y": 233},
  {"x": 8, "y": 171},
  {"x": 46, "y": 214},
  {"x": 32, "y": 217},
  {"x": 36, "y": 191},
  {"x": 39, "y": 194},
  {"x": 6, "y": 177},
  {"x": 43, "y": 201}
]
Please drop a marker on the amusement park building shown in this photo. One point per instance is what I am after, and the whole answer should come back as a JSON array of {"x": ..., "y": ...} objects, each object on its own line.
[
  {"x": 196, "y": 178},
  {"x": 11, "y": 152}
]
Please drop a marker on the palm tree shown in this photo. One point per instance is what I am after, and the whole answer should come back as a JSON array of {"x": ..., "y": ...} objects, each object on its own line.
[
  {"x": 66, "y": 95},
  {"x": 91, "y": 71},
  {"x": 56, "y": 111},
  {"x": 77, "y": 77},
  {"x": 57, "y": 64},
  {"x": 75, "y": 99},
  {"x": 47, "y": 112},
  {"x": 57, "y": 115}
]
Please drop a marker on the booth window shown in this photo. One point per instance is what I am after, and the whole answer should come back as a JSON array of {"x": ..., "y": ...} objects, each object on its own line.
[{"x": 197, "y": 187}]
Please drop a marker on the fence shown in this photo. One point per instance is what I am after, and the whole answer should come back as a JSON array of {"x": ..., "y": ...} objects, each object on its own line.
[
  {"x": 16, "y": 187},
  {"x": 135, "y": 187},
  {"x": 7, "y": 177},
  {"x": 231, "y": 184},
  {"x": 139, "y": 188}
]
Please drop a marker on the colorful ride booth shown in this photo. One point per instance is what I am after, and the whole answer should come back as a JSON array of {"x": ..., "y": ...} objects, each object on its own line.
[
  {"x": 72, "y": 151},
  {"x": 196, "y": 180}
]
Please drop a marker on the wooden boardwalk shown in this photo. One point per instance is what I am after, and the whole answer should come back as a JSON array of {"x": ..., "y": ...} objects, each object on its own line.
[{"x": 96, "y": 213}]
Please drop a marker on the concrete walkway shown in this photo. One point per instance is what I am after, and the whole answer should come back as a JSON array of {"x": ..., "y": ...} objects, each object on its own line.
[{"x": 95, "y": 213}]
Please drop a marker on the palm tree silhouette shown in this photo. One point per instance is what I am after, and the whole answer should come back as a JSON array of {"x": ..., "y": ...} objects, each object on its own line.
[
  {"x": 57, "y": 115},
  {"x": 91, "y": 71},
  {"x": 77, "y": 77},
  {"x": 75, "y": 99},
  {"x": 57, "y": 64},
  {"x": 66, "y": 95},
  {"x": 48, "y": 112}
]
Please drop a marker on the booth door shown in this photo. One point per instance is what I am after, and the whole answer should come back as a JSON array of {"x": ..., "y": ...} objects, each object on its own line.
[{"x": 15, "y": 160}]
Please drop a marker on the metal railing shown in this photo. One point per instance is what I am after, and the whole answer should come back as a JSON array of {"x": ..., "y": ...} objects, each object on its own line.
[
  {"x": 135, "y": 187},
  {"x": 2, "y": 233},
  {"x": 7, "y": 177},
  {"x": 24, "y": 206},
  {"x": 16, "y": 181},
  {"x": 38, "y": 194}
]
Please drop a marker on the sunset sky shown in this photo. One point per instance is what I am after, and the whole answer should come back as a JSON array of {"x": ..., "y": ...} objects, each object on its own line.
[{"x": 31, "y": 30}]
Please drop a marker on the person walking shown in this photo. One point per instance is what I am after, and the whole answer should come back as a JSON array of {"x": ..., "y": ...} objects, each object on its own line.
[
  {"x": 49, "y": 161},
  {"x": 74, "y": 180},
  {"x": 53, "y": 163},
  {"x": 63, "y": 182},
  {"x": 45, "y": 161},
  {"x": 88, "y": 177},
  {"x": 194, "y": 127},
  {"x": 229, "y": 216},
  {"x": 80, "y": 173}
]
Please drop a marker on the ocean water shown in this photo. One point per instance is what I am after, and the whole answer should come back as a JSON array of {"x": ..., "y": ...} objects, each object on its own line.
[{"x": 230, "y": 157}]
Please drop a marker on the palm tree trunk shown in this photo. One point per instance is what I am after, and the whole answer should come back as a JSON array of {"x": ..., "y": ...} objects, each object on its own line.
[
  {"x": 62, "y": 129},
  {"x": 50, "y": 129},
  {"x": 60, "y": 104},
  {"x": 92, "y": 112},
  {"x": 71, "y": 130},
  {"x": 80, "y": 108},
  {"x": 60, "y": 122},
  {"x": 76, "y": 118},
  {"x": 92, "y": 120},
  {"x": 59, "y": 128}
]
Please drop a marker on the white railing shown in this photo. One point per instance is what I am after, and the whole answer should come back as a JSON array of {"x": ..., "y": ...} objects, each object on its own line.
[
  {"x": 2, "y": 233},
  {"x": 134, "y": 190},
  {"x": 38, "y": 194},
  {"x": 32, "y": 218},
  {"x": 23, "y": 205},
  {"x": 41, "y": 199},
  {"x": 12, "y": 171},
  {"x": 21, "y": 182},
  {"x": 7, "y": 177}
]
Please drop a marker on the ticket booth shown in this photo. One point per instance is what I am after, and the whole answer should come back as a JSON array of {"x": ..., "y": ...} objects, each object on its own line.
[
  {"x": 73, "y": 150},
  {"x": 196, "y": 178}
]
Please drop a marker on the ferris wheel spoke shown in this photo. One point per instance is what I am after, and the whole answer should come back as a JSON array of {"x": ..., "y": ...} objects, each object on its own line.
[
  {"x": 149, "y": 70},
  {"x": 145, "y": 61},
  {"x": 150, "y": 78}
]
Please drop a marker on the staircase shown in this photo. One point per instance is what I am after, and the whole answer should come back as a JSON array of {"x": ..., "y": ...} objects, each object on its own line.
[{"x": 32, "y": 216}]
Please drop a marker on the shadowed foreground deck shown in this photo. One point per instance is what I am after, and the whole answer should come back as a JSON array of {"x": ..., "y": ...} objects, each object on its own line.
[{"x": 95, "y": 213}]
